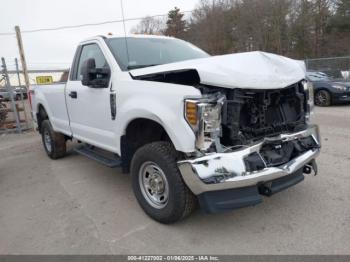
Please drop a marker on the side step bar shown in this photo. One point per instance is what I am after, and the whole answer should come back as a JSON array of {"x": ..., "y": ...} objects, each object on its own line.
[{"x": 90, "y": 152}]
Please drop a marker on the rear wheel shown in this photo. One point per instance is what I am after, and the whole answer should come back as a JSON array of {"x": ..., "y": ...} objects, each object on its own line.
[
  {"x": 323, "y": 98},
  {"x": 54, "y": 142},
  {"x": 158, "y": 185}
]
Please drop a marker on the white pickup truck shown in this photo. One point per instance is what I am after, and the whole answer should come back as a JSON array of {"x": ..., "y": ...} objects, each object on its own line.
[{"x": 221, "y": 131}]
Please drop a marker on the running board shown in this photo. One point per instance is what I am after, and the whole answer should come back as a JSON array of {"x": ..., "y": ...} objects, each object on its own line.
[{"x": 93, "y": 154}]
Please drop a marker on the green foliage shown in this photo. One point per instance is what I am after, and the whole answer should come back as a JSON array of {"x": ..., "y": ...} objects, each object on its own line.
[{"x": 176, "y": 25}]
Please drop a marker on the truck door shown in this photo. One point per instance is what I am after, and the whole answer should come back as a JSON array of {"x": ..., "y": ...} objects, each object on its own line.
[{"x": 89, "y": 108}]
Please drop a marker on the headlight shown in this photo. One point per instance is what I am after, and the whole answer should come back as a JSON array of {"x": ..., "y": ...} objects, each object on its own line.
[
  {"x": 204, "y": 116},
  {"x": 211, "y": 117},
  {"x": 340, "y": 87}
]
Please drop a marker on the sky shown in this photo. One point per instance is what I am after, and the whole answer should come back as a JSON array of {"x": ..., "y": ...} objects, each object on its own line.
[{"x": 55, "y": 49}]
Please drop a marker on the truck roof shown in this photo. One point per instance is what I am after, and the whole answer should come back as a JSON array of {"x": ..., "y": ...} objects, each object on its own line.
[{"x": 128, "y": 36}]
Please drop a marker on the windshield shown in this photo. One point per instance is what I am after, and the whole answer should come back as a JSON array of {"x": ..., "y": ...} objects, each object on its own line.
[
  {"x": 143, "y": 52},
  {"x": 317, "y": 76}
]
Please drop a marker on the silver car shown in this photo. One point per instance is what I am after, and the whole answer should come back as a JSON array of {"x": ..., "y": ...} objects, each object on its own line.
[{"x": 5, "y": 95}]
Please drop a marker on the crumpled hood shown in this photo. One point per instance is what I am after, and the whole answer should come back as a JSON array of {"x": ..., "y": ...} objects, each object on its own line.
[{"x": 251, "y": 70}]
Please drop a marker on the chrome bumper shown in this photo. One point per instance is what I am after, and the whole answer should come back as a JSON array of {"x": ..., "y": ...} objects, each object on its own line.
[{"x": 194, "y": 171}]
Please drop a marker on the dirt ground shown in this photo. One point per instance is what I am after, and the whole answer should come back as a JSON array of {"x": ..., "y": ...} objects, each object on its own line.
[{"x": 77, "y": 206}]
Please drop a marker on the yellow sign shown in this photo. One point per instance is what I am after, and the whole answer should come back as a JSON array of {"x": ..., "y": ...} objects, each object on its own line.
[{"x": 43, "y": 80}]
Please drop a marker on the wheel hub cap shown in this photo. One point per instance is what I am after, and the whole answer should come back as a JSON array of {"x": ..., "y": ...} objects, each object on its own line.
[
  {"x": 153, "y": 184},
  {"x": 321, "y": 97},
  {"x": 47, "y": 140}
]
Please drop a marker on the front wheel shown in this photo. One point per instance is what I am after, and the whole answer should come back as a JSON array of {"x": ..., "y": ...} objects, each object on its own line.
[
  {"x": 54, "y": 142},
  {"x": 157, "y": 183},
  {"x": 323, "y": 98}
]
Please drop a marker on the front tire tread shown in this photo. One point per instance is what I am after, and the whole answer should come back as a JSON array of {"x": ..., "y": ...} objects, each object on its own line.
[{"x": 165, "y": 155}]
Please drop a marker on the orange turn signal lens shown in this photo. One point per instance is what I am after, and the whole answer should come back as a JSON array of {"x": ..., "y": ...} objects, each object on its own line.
[{"x": 191, "y": 113}]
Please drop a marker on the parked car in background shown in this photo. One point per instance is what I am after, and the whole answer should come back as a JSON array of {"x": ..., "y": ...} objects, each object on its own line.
[
  {"x": 21, "y": 90},
  {"x": 328, "y": 91},
  {"x": 5, "y": 95}
]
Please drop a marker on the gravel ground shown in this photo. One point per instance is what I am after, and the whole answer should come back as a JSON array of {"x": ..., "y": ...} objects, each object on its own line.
[{"x": 76, "y": 206}]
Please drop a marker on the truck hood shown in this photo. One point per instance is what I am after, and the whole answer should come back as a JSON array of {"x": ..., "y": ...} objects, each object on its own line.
[{"x": 250, "y": 70}]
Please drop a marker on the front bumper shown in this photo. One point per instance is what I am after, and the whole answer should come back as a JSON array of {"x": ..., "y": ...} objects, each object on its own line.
[
  {"x": 341, "y": 97},
  {"x": 232, "y": 165}
]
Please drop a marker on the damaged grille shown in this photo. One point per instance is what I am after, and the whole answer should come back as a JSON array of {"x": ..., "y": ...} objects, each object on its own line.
[{"x": 250, "y": 115}]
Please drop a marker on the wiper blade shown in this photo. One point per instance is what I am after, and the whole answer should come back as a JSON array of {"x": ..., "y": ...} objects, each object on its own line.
[{"x": 140, "y": 66}]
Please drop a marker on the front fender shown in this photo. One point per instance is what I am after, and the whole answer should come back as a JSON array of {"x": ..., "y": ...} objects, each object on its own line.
[{"x": 164, "y": 106}]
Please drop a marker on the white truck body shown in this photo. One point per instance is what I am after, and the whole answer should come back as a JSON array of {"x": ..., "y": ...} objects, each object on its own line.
[
  {"x": 101, "y": 116},
  {"x": 89, "y": 120}
]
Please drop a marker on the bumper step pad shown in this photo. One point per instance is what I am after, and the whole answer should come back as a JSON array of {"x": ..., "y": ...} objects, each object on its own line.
[{"x": 224, "y": 200}]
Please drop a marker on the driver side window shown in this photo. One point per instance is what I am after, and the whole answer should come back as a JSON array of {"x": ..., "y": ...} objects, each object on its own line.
[{"x": 91, "y": 51}]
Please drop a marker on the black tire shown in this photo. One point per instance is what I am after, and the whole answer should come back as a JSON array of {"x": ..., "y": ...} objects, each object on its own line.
[
  {"x": 180, "y": 201},
  {"x": 323, "y": 98},
  {"x": 57, "y": 141}
]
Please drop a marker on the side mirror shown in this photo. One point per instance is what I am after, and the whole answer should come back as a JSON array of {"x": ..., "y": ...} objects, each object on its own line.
[{"x": 94, "y": 77}]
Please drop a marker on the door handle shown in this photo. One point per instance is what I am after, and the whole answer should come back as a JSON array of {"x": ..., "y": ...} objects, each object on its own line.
[{"x": 73, "y": 94}]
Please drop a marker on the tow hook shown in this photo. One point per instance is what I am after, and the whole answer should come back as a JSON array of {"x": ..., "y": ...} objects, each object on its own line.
[
  {"x": 265, "y": 189},
  {"x": 312, "y": 166}
]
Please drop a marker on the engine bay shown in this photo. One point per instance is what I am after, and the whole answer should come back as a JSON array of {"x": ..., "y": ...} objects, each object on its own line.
[{"x": 250, "y": 115}]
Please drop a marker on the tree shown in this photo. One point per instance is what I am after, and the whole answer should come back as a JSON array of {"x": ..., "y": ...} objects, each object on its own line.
[
  {"x": 261, "y": 25},
  {"x": 210, "y": 27},
  {"x": 321, "y": 16},
  {"x": 296, "y": 28},
  {"x": 341, "y": 20},
  {"x": 175, "y": 25},
  {"x": 301, "y": 27},
  {"x": 338, "y": 38},
  {"x": 149, "y": 25}
]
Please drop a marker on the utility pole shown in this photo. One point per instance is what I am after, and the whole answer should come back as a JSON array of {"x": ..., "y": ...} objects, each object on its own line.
[
  {"x": 20, "y": 88},
  {"x": 23, "y": 62},
  {"x": 10, "y": 91},
  {"x": 21, "y": 53}
]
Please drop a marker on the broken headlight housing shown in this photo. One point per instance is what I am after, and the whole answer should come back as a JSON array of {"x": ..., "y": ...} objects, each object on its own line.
[
  {"x": 309, "y": 91},
  {"x": 204, "y": 117}
]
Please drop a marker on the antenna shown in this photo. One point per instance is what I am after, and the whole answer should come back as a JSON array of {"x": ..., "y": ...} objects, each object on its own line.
[{"x": 126, "y": 41}]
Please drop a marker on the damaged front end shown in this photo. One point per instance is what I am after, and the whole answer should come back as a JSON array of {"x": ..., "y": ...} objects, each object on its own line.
[
  {"x": 251, "y": 123},
  {"x": 225, "y": 119},
  {"x": 249, "y": 143}
]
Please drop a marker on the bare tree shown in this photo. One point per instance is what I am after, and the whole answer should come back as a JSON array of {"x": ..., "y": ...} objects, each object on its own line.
[
  {"x": 321, "y": 16},
  {"x": 149, "y": 25},
  {"x": 210, "y": 27},
  {"x": 296, "y": 28}
]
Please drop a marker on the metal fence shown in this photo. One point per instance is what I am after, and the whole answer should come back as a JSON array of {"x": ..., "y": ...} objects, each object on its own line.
[
  {"x": 335, "y": 67},
  {"x": 15, "y": 109}
]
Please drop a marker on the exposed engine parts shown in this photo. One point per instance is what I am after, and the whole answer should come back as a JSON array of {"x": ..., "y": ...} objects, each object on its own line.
[{"x": 250, "y": 115}]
